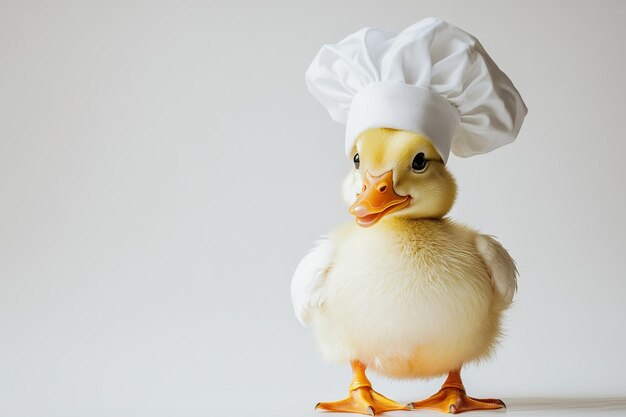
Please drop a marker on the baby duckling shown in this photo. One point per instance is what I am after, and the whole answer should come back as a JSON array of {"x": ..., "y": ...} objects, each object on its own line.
[{"x": 416, "y": 296}]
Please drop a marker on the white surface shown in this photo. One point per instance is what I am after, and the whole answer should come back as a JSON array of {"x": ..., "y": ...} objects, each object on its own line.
[
  {"x": 516, "y": 407},
  {"x": 565, "y": 407},
  {"x": 148, "y": 231},
  {"x": 522, "y": 407}
]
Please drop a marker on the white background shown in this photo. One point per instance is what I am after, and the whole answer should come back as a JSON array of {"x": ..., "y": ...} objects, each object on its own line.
[{"x": 163, "y": 169}]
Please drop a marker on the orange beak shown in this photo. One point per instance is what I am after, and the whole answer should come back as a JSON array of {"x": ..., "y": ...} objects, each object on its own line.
[{"x": 377, "y": 199}]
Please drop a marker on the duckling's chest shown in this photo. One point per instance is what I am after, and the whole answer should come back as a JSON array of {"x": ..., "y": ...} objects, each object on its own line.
[{"x": 407, "y": 267}]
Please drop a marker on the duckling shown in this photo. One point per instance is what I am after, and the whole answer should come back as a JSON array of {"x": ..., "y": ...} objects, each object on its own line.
[{"x": 404, "y": 290}]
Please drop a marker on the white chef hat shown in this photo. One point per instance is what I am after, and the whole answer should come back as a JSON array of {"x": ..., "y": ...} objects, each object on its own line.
[{"x": 432, "y": 78}]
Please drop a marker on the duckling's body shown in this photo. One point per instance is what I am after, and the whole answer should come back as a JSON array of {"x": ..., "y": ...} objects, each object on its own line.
[
  {"x": 409, "y": 298},
  {"x": 404, "y": 291}
]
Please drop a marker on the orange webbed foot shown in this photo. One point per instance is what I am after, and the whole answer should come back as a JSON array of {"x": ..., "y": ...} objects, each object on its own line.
[
  {"x": 451, "y": 398},
  {"x": 454, "y": 400},
  {"x": 363, "y": 400}
]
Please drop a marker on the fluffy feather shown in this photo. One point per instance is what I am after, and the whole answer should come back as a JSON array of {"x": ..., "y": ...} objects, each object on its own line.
[
  {"x": 501, "y": 266},
  {"x": 308, "y": 279}
]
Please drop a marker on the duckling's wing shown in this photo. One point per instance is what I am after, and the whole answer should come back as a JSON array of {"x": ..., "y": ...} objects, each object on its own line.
[
  {"x": 501, "y": 266},
  {"x": 306, "y": 294}
]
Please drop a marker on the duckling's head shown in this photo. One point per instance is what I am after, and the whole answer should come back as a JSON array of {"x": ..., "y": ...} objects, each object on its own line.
[{"x": 398, "y": 174}]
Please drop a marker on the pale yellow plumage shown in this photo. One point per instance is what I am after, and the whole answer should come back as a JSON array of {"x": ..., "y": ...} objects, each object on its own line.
[
  {"x": 409, "y": 298},
  {"x": 415, "y": 295}
]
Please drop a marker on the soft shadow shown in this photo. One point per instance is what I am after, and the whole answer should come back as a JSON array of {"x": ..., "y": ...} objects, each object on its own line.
[{"x": 553, "y": 404}]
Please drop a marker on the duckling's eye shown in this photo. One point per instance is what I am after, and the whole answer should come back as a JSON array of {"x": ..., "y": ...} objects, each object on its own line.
[
  {"x": 357, "y": 161},
  {"x": 419, "y": 162}
]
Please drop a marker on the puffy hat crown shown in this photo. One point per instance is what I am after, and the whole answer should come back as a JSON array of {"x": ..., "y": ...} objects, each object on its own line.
[{"x": 432, "y": 78}]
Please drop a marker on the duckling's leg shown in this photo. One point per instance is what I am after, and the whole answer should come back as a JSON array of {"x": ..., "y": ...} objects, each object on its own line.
[
  {"x": 451, "y": 398},
  {"x": 362, "y": 399}
]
